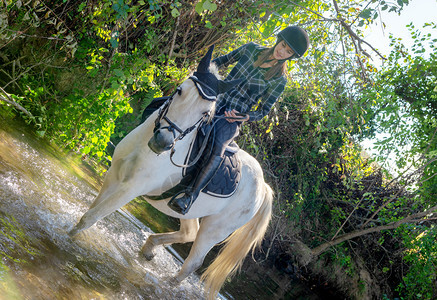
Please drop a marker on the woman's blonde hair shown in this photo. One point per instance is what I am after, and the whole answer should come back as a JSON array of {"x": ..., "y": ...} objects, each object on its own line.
[{"x": 279, "y": 69}]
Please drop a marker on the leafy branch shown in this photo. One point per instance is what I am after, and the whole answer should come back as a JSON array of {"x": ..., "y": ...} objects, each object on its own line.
[
  {"x": 414, "y": 218},
  {"x": 9, "y": 100}
]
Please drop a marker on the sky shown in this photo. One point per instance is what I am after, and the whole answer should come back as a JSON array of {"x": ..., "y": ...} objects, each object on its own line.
[{"x": 417, "y": 12}]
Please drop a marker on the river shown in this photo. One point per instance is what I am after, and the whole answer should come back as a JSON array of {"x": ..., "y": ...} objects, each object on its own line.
[{"x": 43, "y": 192}]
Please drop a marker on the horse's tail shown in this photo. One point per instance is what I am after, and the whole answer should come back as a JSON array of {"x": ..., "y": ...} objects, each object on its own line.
[{"x": 237, "y": 246}]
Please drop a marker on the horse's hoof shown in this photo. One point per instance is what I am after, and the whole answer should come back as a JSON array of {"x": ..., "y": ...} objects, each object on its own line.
[
  {"x": 147, "y": 251},
  {"x": 148, "y": 255},
  {"x": 73, "y": 232}
]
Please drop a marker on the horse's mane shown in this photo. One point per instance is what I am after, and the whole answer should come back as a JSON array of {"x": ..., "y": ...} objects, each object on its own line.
[{"x": 214, "y": 70}]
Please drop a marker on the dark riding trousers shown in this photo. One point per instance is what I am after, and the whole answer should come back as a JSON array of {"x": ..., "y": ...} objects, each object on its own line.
[{"x": 225, "y": 132}]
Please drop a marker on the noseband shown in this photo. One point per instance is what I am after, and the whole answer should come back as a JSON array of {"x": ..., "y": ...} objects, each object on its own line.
[{"x": 162, "y": 115}]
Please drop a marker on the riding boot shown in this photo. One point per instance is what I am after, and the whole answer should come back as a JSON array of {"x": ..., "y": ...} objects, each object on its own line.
[{"x": 183, "y": 204}]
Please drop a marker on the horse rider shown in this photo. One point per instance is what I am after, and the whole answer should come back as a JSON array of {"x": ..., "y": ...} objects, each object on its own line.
[{"x": 265, "y": 73}]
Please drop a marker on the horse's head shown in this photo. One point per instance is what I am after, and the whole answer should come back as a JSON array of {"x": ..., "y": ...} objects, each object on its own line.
[{"x": 191, "y": 104}]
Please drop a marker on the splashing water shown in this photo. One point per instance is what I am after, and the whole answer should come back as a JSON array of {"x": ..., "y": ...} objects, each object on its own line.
[{"x": 41, "y": 198}]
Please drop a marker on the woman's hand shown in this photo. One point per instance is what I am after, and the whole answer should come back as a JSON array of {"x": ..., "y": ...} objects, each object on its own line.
[{"x": 233, "y": 117}]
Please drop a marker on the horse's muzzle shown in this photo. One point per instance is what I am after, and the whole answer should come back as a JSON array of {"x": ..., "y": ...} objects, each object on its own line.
[{"x": 159, "y": 144}]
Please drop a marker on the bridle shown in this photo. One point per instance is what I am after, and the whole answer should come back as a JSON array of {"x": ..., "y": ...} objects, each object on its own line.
[
  {"x": 175, "y": 129},
  {"x": 172, "y": 127}
]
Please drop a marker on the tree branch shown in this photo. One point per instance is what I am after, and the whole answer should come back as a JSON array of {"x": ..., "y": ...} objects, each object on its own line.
[
  {"x": 414, "y": 218},
  {"x": 353, "y": 35},
  {"x": 13, "y": 103},
  {"x": 170, "y": 53}
]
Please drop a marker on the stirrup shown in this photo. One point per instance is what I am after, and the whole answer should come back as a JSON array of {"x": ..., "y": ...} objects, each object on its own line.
[{"x": 181, "y": 205}]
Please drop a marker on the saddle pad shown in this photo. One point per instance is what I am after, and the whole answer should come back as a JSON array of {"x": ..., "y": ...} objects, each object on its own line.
[{"x": 226, "y": 179}]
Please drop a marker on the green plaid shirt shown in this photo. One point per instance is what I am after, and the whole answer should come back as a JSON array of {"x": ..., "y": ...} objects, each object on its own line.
[{"x": 254, "y": 96}]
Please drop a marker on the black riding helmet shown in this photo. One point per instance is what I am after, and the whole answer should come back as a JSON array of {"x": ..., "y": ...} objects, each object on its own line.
[{"x": 296, "y": 38}]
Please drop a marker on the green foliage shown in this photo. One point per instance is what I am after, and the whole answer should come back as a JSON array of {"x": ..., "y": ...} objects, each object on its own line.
[
  {"x": 345, "y": 261},
  {"x": 86, "y": 70},
  {"x": 86, "y": 123},
  {"x": 19, "y": 19},
  {"x": 405, "y": 104},
  {"x": 405, "y": 110},
  {"x": 79, "y": 108},
  {"x": 421, "y": 255}
]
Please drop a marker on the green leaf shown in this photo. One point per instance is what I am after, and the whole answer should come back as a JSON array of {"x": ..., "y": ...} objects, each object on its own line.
[
  {"x": 365, "y": 14},
  {"x": 199, "y": 8},
  {"x": 118, "y": 72},
  {"x": 41, "y": 133},
  {"x": 85, "y": 150},
  {"x": 114, "y": 42},
  {"x": 207, "y": 5},
  {"x": 208, "y": 24},
  {"x": 81, "y": 6},
  {"x": 213, "y": 7},
  {"x": 175, "y": 12}
]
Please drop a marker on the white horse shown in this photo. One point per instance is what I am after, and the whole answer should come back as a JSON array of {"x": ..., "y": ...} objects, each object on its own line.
[{"x": 241, "y": 220}]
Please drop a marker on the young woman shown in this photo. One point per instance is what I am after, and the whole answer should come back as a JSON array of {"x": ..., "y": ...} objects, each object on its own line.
[{"x": 264, "y": 70}]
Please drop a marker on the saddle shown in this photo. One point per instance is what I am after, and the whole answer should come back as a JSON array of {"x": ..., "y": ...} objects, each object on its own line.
[{"x": 226, "y": 179}]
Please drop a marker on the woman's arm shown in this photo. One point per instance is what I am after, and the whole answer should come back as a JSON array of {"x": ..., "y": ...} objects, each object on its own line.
[
  {"x": 231, "y": 57},
  {"x": 269, "y": 98}
]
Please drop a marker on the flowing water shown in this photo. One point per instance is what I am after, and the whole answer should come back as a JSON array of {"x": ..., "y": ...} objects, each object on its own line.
[{"x": 43, "y": 193}]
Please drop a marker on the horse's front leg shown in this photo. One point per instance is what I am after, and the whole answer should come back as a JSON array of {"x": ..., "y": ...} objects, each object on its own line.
[
  {"x": 187, "y": 233},
  {"x": 126, "y": 179},
  {"x": 120, "y": 173},
  {"x": 111, "y": 202}
]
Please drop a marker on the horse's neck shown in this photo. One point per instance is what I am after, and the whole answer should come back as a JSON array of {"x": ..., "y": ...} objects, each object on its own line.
[{"x": 158, "y": 170}]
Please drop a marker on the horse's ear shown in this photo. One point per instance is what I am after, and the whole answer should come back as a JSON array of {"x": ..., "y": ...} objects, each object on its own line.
[
  {"x": 224, "y": 86},
  {"x": 204, "y": 63}
]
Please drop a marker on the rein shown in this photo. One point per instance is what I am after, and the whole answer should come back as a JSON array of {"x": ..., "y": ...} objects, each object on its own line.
[
  {"x": 162, "y": 115},
  {"x": 202, "y": 148},
  {"x": 173, "y": 128},
  {"x": 198, "y": 156}
]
